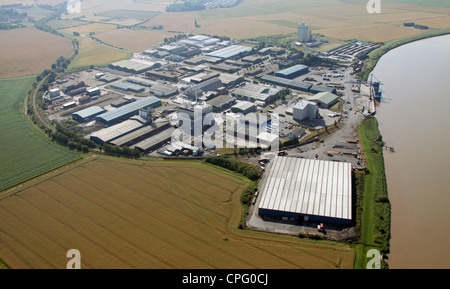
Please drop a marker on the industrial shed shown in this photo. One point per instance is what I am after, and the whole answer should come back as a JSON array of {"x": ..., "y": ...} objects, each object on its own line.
[
  {"x": 230, "y": 51},
  {"x": 293, "y": 71},
  {"x": 308, "y": 190},
  {"x": 128, "y": 110},
  {"x": 325, "y": 99},
  {"x": 87, "y": 113},
  {"x": 114, "y": 132}
]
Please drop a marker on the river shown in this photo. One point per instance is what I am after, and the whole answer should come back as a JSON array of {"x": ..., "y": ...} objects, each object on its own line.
[{"x": 414, "y": 117}]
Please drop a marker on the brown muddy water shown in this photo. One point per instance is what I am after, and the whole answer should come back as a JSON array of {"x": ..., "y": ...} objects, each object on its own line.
[{"x": 414, "y": 117}]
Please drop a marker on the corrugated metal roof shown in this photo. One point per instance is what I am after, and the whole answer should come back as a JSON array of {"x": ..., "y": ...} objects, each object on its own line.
[
  {"x": 118, "y": 113},
  {"x": 230, "y": 51},
  {"x": 308, "y": 187},
  {"x": 293, "y": 69},
  {"x": 89, "y": 112}
]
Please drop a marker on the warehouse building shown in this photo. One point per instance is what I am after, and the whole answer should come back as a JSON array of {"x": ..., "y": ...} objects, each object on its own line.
[
  {"x": 205, "y": 86},
  {"x": 221, "y": 102},
  {"x": 162, "y": 90},
  {"x": 304, "y": 110},
  {"x": 308, "y": 190},
  {"x": 322, "y": 88},
  {"x": 141, "y": 134},
  {"x": 128, "y": 110},
  {"x": 243, "y": 107},
  {"x": 155, "y": 141},
  {"x": 293, "y": 71},
  {"x": 257, "y": 92},
  {"x": 294, "y": 84},
  {"x": 230, "y": 52},
  {"x": 133, "y": 66},
  {"x": 325, "y": 99},
  {"x": 108, "y": 134},
  {"x": 87, "y": 113},
  {"x": 127, "y": 86}
]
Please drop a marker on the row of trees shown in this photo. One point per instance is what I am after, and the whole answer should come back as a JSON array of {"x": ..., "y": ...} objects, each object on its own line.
[{"x": 233, "y": 164}]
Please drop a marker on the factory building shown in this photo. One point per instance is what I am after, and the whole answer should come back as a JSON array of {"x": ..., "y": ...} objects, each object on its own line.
[
  {"x": 304, "y": 33},
  {"x": 325, "y": 99},
  {"x": 128, "y": 110},
  {"x": 87, "y": 113},
  {"x": 308, "y": 190},
  {"x": 293, "y": 71},
  {"x": 304, "y": 110}
]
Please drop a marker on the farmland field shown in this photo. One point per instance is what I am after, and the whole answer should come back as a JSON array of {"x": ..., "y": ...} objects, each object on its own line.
[
  {"x": 28, "y": 51},
  {"x": 133, "y": 40},
  {"x": 94, "y": 53},
  {"x": 25, "y": 151},
  {"x": 140, "y": 214}
]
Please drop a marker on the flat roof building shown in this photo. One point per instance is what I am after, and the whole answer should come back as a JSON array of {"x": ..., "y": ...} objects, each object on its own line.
[
  {"x": 304, "y": 110},
  {"x": 308, "y": 190}
]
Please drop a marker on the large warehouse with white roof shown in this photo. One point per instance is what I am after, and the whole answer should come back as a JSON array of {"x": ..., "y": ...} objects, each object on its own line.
[{"x": 310, "y": 190}]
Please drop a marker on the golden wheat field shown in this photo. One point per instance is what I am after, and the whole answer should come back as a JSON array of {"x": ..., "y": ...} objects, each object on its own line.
[
  {"x": 28, "y": 51},
  {"x": 141, "y": 214}
]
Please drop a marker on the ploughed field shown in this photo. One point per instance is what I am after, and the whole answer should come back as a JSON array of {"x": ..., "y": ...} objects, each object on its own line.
[{"x": 141, "y": 214}]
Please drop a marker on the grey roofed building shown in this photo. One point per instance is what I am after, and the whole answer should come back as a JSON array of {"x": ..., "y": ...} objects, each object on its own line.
[
  {"x": 87, "y": 113},
  {"x": 208, "y": 85},
  {"x": 325, "y": 99},
  {"x": 162, "y": 90},
  {"x": 141, "y": 134},
  {"x": 132, "y": 66},
  {"x": 221, "y": 102},
  {"x": 230, "y": 51},
  {"x": 111, "y": 133},
  {"x": 322, "y": 88},
  {"x": 155, "y": 141},
  {"x": 306, "y": 189},
  {"x": 294, "y": 84},
  {"x": 243, "y": 107},
  {"x": 257, "y": 92},
  {"x": 128, "y": 110}
]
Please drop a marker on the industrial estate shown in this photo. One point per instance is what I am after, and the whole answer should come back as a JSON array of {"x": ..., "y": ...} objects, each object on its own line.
[{"x": 278, "y": 134}]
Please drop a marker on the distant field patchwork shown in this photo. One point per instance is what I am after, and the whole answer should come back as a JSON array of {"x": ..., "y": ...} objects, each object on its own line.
[{"x": 138, "y": 214}]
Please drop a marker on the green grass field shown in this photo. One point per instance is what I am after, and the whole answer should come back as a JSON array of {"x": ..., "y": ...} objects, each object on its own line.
[{"x": 25, "y": 152}]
